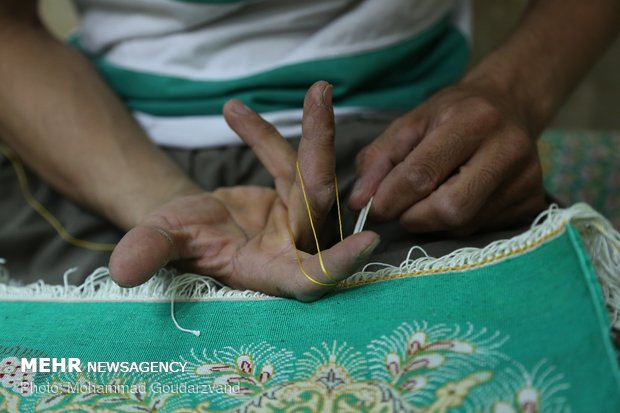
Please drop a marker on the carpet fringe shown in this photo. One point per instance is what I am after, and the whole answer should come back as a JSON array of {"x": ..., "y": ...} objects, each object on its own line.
[
  {"x": 98, "y": 286},
  {"x": 601, "y": 240},
  {"x": 4, "y": 274}
]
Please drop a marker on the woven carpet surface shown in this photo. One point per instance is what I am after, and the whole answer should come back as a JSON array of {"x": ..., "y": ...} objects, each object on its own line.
[
  {"x": 583, "y": 166},
  {"x": 523, "y": 330}
]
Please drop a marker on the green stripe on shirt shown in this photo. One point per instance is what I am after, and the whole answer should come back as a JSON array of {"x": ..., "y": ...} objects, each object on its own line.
[{"x": 395, "y": 77}]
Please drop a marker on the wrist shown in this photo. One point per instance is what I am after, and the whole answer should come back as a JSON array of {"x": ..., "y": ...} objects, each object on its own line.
[
  {"x": 533, "y": 108},
  {"x": 132, "y": 208}
]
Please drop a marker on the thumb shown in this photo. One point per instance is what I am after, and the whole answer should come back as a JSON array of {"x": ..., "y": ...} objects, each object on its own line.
[
  {"x": 348, "y": 255},
  {"x": 140, "y": 254},
  {"x": 340, "y": 262}
]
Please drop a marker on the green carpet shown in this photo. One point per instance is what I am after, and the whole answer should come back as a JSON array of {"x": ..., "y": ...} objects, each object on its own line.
[{"x": 519, "y": 326}]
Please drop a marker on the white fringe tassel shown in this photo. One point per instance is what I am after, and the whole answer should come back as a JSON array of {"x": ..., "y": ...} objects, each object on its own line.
[
  {"x": 601, "y": 240},
  {"x": 4, "y": 274}
]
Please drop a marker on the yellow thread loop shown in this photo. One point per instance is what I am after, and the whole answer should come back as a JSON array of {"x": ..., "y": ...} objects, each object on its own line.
[
  {"x": 301, "y": 266},
  {"x": 41, "y": 210},
  {"x": 316, "y": 239},
  {"x": 338, "y": 207}
]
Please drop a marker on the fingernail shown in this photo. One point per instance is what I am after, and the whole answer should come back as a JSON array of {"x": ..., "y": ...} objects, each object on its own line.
[
  {"x": 365, "y": 254},
  {"x": 241, "y": 109},
  {"x": 327, "y": 95}
]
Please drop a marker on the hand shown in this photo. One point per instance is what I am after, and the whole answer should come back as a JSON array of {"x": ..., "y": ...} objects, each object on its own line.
[
  {"x": 463, "y": 161},
  {"x": 242, "y": 235}
]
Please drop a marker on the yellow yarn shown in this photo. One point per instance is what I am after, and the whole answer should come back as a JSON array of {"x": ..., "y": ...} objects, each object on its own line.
[
  {"x": 41, "y": 210},
  {"x": 96, "y": 246},
  {"x": 316, "y": 239}
]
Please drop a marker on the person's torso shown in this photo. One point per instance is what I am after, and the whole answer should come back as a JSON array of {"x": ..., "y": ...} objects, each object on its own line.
[{"x": 175, "y": 63}]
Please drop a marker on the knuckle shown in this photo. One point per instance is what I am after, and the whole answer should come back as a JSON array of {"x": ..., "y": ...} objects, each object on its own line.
[
  {"x": 326, "y": 136},
  {"x": 487, "y": 178},
  {"x": 449, "y": 112},
  {"x": 521, "y": 142},
  {"x": 509, "y": 150},
  {"x": 485, "y": 112},
  {"x": 453, "y": 212},
  {"x": 421, "y": 178},
  {"x": 264, "y": 128},
  {"x": 482, "y": 114},
  {"x": 518, "y": 147},
  {"x": 324, "y": 189},
  {"x": 319, "y": 133},
  {"x": 323, "y": 197},
  {"x": 367, "y": 156}
]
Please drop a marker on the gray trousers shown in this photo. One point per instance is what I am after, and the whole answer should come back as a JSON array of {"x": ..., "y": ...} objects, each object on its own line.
[{"x": 33, "y": 250}]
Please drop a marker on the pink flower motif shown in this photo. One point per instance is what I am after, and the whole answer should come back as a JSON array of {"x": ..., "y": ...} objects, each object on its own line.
[
  {"x": 24, "y": 388},
  {"x": 12, "y": 376}
]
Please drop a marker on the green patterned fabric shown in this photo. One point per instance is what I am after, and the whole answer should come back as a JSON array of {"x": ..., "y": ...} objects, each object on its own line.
[
  {"x": 518, "y": 327},
  {"x": 583, "y": 166}
]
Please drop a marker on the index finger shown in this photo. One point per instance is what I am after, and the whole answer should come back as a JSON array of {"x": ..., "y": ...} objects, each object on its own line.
[
  {"x": 273, "y": 151},
  {"x": 377, "y": 159},
  {"x": 431, "y": 162},
  {"x": 455, "y": 204}
]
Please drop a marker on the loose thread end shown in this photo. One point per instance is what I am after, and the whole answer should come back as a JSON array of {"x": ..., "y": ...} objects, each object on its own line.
[{"x": 176, "y": 324}]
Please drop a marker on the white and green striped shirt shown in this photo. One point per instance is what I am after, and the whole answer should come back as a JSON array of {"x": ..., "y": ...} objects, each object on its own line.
[{"x": 175, "y": 63}]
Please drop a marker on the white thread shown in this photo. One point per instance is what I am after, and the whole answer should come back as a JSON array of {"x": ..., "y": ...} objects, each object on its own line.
[
  {"x": 4, "y": 273},
  {"x": 601, "y": 241},
  {"x": 378, "y": 264},
  {"x": 65, "y": 276},
  {"x": 179, "y": 285},
  {"x": 176, "y": 324},
  {"x": 416, "y": 248},
  {"x": 361, "y": 219},
  {"x": 99, "y": 286}
]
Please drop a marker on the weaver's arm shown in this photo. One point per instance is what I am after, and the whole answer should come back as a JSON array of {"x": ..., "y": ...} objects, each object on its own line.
[
  {"x": 466, "y": 159},
  {"x": 69, "y": 127},
  {"x": 549, "y": 52},
  {"x": 72, "y": 130}
]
